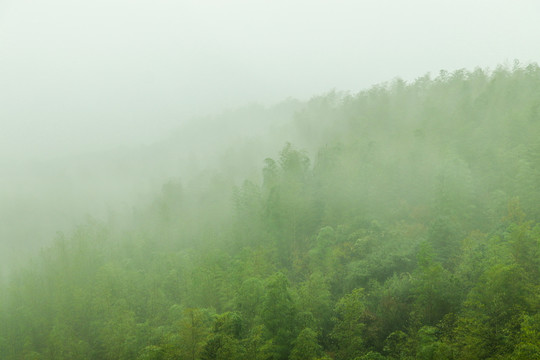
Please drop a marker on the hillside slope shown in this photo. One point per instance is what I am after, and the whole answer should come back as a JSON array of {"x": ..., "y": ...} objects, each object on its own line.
[{"x": 402, "y": 223}]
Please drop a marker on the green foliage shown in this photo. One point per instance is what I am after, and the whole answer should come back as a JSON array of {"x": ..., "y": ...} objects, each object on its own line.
[
  {"x": 372, "y": 355},
  {"x": 414, "y": 233},
  {"x": 224, "y": 341},
  {"x": 279, "y": 315},
  {"x": 436, "y": 291},
  {"x": 528, "y": 339},
  {"x": 257, "y": 346},
  {"x": 349, "y": 329},
  {"x": 193, "y": 331},
  {"x": 395, "y": 345},
  {"x": 306, "y": 346},
  {"x": 315, "y": 298},
  {"x": 429, "y": 347}
]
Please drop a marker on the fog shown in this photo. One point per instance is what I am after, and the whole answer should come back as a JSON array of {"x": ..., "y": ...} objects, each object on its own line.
[
  {"x": 101, "y": 100},
  {"x": 80, "y": 76},
  {"x": 269, "y": 180}
]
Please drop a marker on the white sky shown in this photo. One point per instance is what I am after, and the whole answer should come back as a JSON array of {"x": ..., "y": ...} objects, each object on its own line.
[{"x": 80, "y": 76}]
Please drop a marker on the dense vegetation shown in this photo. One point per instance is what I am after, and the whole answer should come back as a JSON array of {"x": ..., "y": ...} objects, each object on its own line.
[{"x": 412, "y": 233}]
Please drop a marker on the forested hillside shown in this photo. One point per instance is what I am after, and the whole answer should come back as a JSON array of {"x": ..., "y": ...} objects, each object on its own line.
[{"x": 404, "y": 223}]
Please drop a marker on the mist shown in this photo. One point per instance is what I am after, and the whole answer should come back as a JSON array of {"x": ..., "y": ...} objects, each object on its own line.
[
  {"x": 254, "y": 180},
  {"x": 83, "y": 76}
]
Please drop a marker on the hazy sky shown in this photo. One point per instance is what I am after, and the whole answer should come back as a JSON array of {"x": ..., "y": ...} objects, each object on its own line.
[{"x": 83, "y": 75}]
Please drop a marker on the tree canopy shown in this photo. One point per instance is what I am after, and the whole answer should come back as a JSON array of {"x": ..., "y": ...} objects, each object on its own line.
[{"x": 402, "y": 224}]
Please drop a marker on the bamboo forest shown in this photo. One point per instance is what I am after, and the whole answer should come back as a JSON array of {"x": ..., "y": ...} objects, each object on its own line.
[{"x": 398, "y": 222}]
